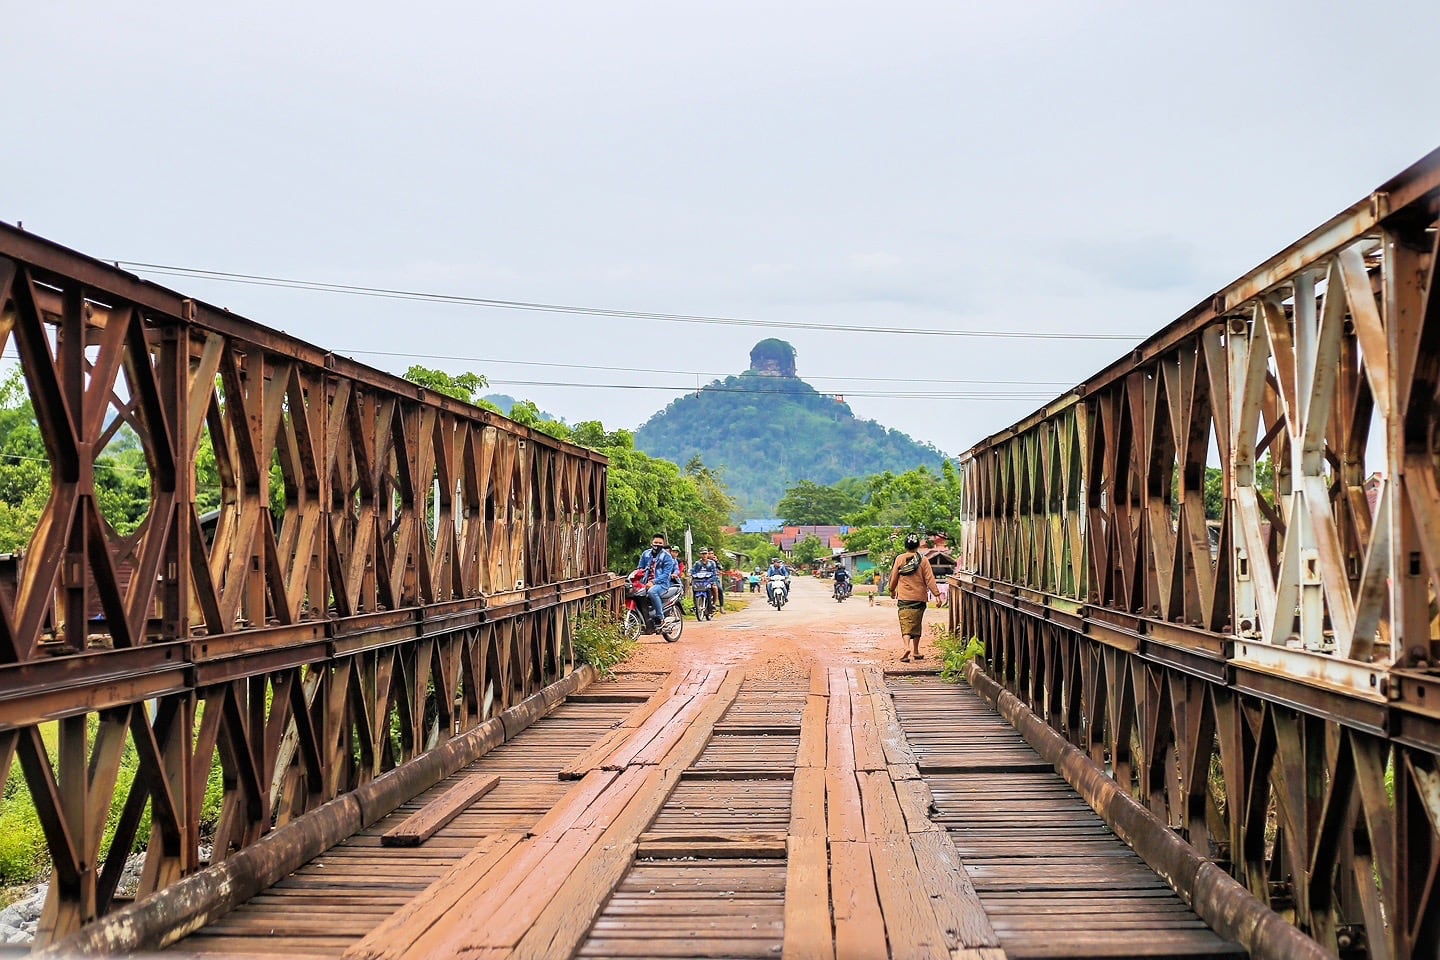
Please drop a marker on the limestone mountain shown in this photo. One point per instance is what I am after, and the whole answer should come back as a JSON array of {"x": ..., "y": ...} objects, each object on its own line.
[{"x": 766, "y": 429}]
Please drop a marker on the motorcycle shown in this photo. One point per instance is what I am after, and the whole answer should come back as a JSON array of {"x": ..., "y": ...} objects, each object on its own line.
[
  {"x": 779, "y": 591},
  {"x": 640, "y": 615},
  {"x": 704, "y": 591},
  {"x": 842, "y": 590}
]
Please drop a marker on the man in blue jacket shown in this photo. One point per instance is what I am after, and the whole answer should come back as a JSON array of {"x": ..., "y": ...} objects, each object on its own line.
[{"x": 660, "y": 570}]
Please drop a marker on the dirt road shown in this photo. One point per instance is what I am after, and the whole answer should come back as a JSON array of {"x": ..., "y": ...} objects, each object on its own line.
[{"x": 811, "y": 629}]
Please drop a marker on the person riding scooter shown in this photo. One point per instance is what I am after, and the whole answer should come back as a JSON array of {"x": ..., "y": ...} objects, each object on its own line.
[
  {"x": 777, "y": 577},
  {"x": 705, "y": 582},
  {"x": 660, "y": 571},
  {"x": 842, "y": 583}
]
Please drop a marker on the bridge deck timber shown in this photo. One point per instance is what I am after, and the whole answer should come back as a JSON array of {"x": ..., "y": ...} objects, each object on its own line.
[{"x": 702, "y": 814}]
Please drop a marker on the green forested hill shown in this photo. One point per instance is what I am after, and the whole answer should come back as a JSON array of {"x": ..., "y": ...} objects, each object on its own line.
[{"x": 767, "y": 431}]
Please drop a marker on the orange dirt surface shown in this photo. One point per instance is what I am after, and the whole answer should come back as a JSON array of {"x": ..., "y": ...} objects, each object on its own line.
[{"x": 812, "y": 630}]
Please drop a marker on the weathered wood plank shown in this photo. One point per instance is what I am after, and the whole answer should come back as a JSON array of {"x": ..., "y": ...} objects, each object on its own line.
[
  {"x": 423, "y": 825},
  {"x": 859, "y": 925}
]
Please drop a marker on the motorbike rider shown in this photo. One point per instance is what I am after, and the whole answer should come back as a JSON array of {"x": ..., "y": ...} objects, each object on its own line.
[
  {"x": 705, "y": 575},
  {"x": 660, "y": 570},
  {"x": 842, "y": 579},
  {"x": 776, "y": 572}
]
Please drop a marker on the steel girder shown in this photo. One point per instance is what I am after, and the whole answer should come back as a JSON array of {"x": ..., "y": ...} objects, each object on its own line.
[
  {"x": 1258, "y": 660},
  {"x": 386, "y": 568}
]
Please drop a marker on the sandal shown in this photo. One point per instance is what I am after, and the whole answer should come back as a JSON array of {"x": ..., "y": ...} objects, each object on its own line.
[
  {"x": 919, "y": 656},
  {"x": 905, "y": 658}
]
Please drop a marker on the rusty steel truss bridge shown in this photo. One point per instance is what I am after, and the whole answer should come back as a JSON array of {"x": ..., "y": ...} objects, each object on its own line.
[{"x": 1213, "y": 568}]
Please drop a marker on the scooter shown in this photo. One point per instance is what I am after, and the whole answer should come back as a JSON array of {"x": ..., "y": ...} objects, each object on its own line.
[
  {"x": 842, "y": 590},
  {"x": 640, "y": 614},
  {"x": 704, "y": 598},
  {"x": 779, "y": 591}
]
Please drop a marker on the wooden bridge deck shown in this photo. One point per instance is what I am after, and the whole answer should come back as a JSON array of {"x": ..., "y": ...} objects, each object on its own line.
[{"x": 705, "y": 815}]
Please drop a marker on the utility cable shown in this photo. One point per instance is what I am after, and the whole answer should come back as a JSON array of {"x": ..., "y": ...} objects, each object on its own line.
[
  {"x": 688, "y": 373},
  {"x": 396, "y": 294}
]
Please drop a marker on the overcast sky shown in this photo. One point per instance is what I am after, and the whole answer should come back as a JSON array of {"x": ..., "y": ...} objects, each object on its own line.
[{"x": 1021, "y": 166}]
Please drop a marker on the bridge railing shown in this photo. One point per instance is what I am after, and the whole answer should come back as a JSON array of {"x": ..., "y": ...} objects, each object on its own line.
[
  {"x": 330, "y": 571},
  {"x": 1214, "y": 565}
]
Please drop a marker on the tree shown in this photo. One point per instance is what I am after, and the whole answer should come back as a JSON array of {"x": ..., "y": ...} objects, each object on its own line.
[
  {"x": 918, "y": 500},
  {"x": 773, "y": 355},
  {"x": 810, "y": 503},
  {"x": 809, "y": 549},
  {"x": 464, "y": 386}
]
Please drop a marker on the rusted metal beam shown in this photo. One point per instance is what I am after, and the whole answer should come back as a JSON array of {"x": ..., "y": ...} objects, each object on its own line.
[
  {"x": 158, "y": 921},
  {"x": 1221, "y": 902},
  {"x": 1258, "y": 534}
]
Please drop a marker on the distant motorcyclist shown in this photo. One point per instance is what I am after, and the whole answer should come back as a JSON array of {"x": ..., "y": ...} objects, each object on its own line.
[
  {"x": 842, "y": 582},
  {"x": 777, "y": 575},
  {"x": 705, "y": 578},
  {"x": 661, "y": 571}
]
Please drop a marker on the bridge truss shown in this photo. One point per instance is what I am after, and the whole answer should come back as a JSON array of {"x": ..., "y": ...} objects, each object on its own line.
[
  {"x": 383, "y": 569},
  {"x": 1215, "y": 566}
]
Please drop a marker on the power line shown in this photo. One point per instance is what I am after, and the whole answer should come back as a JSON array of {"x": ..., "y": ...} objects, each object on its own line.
[
  {"x": 891, "y": 394},
  {"x": 688, "y": 373},
  {"x": 395, "y": 294}
]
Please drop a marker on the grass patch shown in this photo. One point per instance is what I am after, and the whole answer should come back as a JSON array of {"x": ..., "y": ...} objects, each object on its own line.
[
  {"x": 955, "y": 652},
  {"x": 598, "y": 639}
]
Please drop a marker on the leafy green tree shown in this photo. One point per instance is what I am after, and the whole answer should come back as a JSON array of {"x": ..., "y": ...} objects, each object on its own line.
[
  {"x": 711, "y": 484},
  {"x": 810, "y": 503},
  {"x": 464, "y": 386},
  {"x": 918, "y": 500},
  {"x": 809, "y": 549}
]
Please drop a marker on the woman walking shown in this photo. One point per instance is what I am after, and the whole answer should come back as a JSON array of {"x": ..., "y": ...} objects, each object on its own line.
[{"x": 912, "y": 583}]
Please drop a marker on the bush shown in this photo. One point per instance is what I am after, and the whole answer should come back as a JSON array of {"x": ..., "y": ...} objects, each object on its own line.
[
  {"x": 598, "y": 639},
  {"x": 955, "y": 652}
]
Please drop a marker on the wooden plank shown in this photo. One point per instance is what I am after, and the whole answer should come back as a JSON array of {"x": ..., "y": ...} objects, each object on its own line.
[
  {"x": 555, "y": 925},
  {"x": 869, "y": 753},
  {"x": 563, "y": 815},
  {"x": 915, "y": 802},
  {"x": 819, "y": 682},
  {"x": 715, "y": 836},
  {"x": 809, "y": 931},
  {"x": 423, "y": 825},
  {"x": 595, "y": 756},
  {"x": 807, "y": 803},
  {"x": 843, "y": 816},
  {"x": 952, "y": 896},
  {"x": 809, "y": 934},
  {"x": 757, "y": 849},
  {"x": 811, "y": 752},
  {"x": 911, "y": 925},
  {"x": 859, "y": 925},
  {"x": 395, "y": 935},
  {"x": 887, "y": 721},
  {"x": 883, "y": 817}
]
